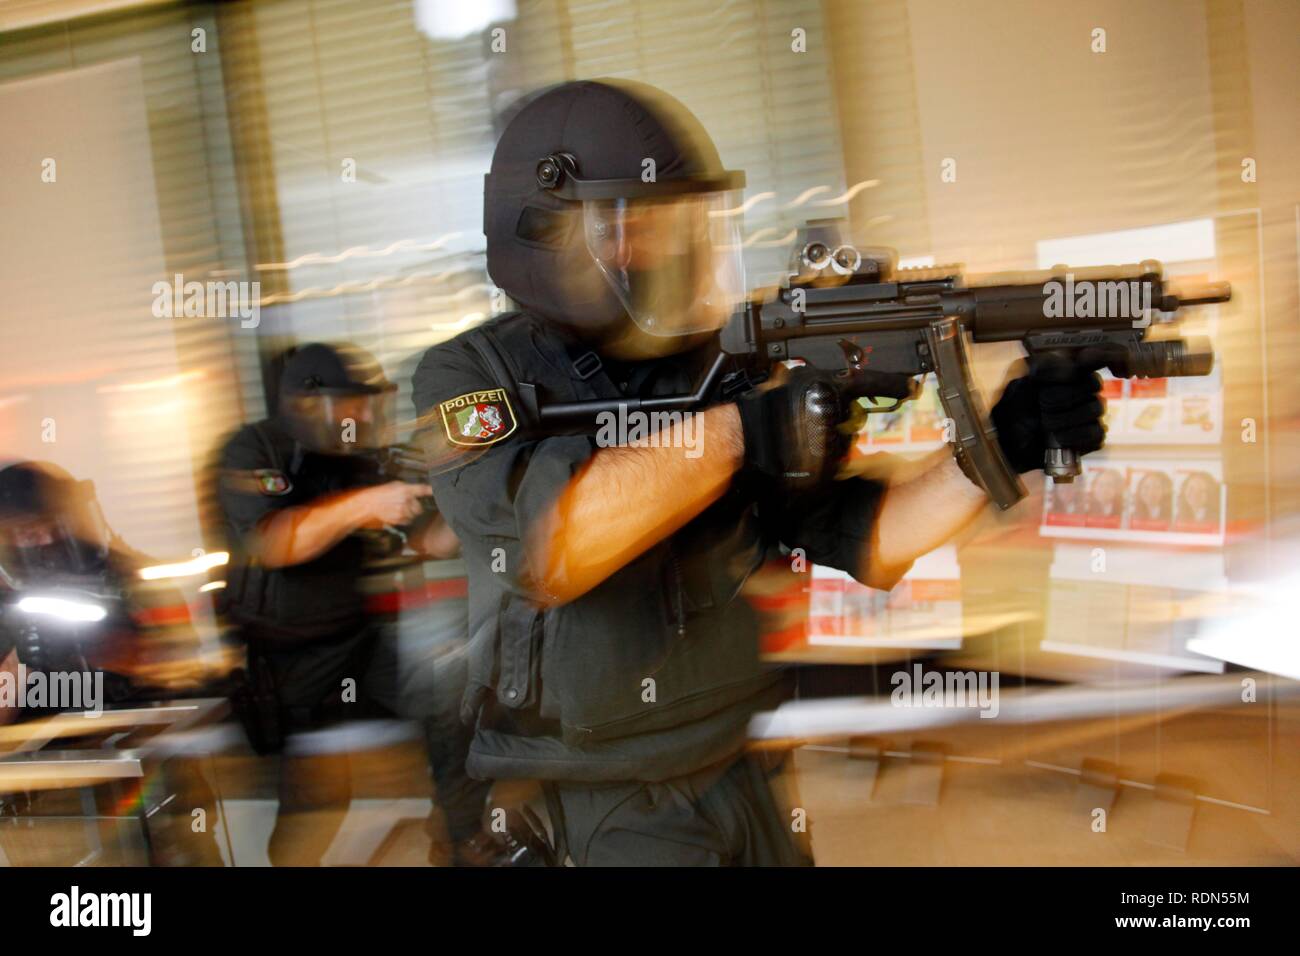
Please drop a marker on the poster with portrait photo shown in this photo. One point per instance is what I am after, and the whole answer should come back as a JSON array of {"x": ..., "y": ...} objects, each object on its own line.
[
  {"x": 1065, "y": 504},
  {"x": 1150, "y": 499},
  {"x": 1106, "y": 497},
  {"x": 1198, "y": 501}
]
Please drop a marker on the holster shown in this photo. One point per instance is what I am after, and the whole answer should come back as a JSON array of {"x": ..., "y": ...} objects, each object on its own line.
[{"x": 257, "y": 704}]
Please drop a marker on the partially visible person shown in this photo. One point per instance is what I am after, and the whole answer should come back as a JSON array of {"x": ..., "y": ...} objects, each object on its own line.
[
  {"x": 72, "y": 603},
  {"x": 298, "y": 492},
  {"x": 1064, "y": 498},
  {"x": 610, "y": 657},
  {"x": 1152, "y": 502},
  {"x": 1198, "y": 502},
  {"x": 1106, "y": 496}
]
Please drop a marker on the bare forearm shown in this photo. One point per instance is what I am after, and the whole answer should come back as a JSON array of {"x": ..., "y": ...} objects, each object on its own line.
[
  {"x": 437, "y": 540},
  {"x": 918, "y": 515},
  {"x": 627, "y": 499},
  {"x": 297, "y": 535}
]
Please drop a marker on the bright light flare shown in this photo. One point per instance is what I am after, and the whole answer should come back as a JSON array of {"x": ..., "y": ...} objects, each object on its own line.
[
  {"x": 185, "y": 569},
  {"x": 62, "y": 608}
]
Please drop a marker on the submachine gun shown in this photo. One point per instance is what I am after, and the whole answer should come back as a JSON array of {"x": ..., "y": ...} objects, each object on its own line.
[{"x": 880, "y": 329}]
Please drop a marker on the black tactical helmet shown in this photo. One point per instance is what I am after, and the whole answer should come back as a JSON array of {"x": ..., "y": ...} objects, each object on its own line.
[
  {"x": 335, "y": 398},
  {"x": 49, "y": 522},
  {"x": 567, "y": 168},
  {"x": 30, "y": 489}
]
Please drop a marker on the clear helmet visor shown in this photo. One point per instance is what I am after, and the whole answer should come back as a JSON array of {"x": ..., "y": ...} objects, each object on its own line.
[
  {"x": 675, "y": 264},
  {"x": 343, "y": 424}
]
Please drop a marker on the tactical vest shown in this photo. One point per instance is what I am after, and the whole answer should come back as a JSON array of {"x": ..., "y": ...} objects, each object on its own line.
[
  {"x": 663, "y": 643},
  {"x": 296, "y": 603}
]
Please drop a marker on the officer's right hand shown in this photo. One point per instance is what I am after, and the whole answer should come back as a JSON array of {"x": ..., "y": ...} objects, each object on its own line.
[
  {"x": 793, "y": 428},
  {"x": 395, "y": 503}
]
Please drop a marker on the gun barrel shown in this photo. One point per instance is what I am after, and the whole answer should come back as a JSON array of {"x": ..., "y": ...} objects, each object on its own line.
[
  {"x": 1208, "y": 293},
  {"x": 1008, "y": 312}
]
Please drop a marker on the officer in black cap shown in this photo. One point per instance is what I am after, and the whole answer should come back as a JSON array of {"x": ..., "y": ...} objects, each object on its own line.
[
  {"x": 610, "y": 656},
  {"x": 295, "y": 492}
]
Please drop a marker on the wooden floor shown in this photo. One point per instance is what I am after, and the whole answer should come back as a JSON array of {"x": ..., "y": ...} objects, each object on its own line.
[
  {"x": 1007, "y": 795},
  {"x": 1018, "y": 804}
]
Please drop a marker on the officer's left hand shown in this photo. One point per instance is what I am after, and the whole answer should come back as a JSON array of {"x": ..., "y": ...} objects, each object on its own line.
[{"x": 1058, "y": 398}]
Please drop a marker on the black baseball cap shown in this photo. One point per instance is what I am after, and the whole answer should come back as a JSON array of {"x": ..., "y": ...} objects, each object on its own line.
[{"x": 320, "y": 369}]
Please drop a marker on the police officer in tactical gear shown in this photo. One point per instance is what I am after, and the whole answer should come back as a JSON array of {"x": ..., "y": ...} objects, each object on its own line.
[
  {"x": 53, "y": 540},
  {"x": 296, "y": 491},
  {"x": 55, "y": 543},
  {"x": 610, "y": 656},
  {"x": 51, "y": 522}
]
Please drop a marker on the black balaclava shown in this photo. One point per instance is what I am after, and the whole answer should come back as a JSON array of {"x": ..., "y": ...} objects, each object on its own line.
[
  {"x": 536, "y": 251},
  {"x": 38, "y": 491}
]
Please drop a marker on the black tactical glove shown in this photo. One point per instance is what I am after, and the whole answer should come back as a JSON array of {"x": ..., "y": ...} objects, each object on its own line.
[
  {"x": 792, "y": 429},
  {"x": 1059, "y": 398}
]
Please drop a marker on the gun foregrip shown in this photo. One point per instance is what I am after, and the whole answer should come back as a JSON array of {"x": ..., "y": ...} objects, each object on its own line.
[{"x": 976, "y": 439}]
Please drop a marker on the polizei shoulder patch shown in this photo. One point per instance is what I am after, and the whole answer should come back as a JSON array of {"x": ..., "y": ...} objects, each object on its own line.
[
  {"x": 478, "y": 418},
  {"x": 257, "y": 481},
  {"x": 271, "y": 481}
]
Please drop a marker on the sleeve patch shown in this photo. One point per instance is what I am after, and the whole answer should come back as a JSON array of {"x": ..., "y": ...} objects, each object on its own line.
[
  {"x": 478, "y": 418},
  {"x": 257, "y": 481}
]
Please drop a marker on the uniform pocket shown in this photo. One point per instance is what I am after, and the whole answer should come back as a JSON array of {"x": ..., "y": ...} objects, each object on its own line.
[
  {"x": 519, "y": 638},
  {"x": 614, "y": 669}
]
